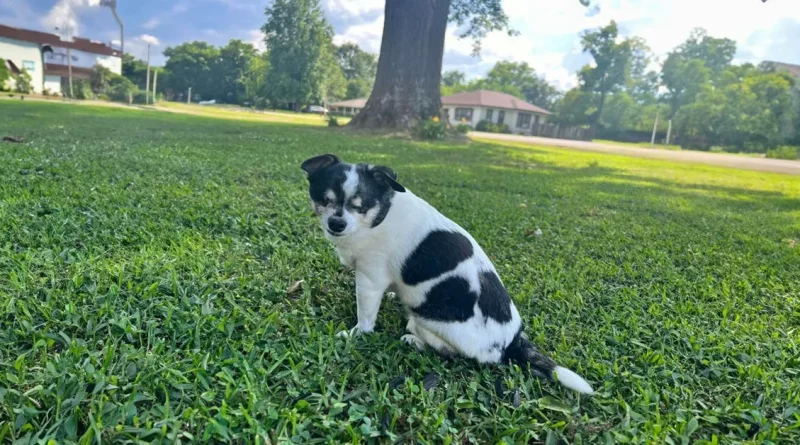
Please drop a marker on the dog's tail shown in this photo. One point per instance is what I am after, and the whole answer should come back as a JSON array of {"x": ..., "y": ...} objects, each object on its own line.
[{"x": 522, "y": 352}]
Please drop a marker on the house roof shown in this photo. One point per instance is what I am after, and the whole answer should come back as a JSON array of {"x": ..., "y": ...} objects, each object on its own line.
[
  {"x": 352, "y": 103},
  {"x": 793, "y": 70},
  {"x": 43, "y": 38},
  {"x": 491, "y": 99}
]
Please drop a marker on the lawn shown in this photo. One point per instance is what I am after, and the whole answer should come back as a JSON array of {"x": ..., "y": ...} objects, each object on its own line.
[
  {"x": 148, "y": 291},
  {"x": 245, "y": 114}
]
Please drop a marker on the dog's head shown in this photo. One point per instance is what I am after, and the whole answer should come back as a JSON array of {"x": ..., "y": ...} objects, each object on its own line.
[{"x": 349, "y": 197}]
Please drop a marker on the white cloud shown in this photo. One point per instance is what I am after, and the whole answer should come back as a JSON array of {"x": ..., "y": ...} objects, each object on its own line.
[
  {"x": 353, "y": 8},
  {"x": 550, "y": 31},
  {"x": 256, "y": 38},
  {"x": 366, "y": 35},
  {"x": 151, "y": 24},
  {"x": 150, "y": 40},
  {"x": 64, "y": 16}
]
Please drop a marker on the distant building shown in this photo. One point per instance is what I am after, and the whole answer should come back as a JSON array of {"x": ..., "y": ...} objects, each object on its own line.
[
  {"x": 348, "y": 107},
  {"x": 497, "y": 108},
  {"x": 44, "y": 57}
]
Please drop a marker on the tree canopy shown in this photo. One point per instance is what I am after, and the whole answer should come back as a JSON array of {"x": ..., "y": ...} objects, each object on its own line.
[{"x": 300, "y": 42}]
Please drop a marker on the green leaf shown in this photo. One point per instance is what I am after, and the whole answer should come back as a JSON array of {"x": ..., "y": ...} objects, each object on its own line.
[{"x": 553, "y": 404}]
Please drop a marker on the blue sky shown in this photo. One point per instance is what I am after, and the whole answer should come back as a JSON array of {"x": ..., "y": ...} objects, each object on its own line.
[{"x": 549, "y": 30}]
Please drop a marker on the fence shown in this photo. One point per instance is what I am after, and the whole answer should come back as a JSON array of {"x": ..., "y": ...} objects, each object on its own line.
[{"x": 561, "y": 132}]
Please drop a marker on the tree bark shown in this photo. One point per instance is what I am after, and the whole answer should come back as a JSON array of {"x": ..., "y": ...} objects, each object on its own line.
[
  {"x": 600, "y": 107},
  {"x": 409, "y": 67}
]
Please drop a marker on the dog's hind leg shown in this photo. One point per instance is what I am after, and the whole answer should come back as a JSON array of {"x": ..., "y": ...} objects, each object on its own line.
[{"x": 420, "y": 336}]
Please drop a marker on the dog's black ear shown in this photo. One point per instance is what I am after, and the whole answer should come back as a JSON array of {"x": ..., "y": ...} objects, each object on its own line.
[
  {"x": 388, "y": 177},
  {"x": 311, "y": 166}
]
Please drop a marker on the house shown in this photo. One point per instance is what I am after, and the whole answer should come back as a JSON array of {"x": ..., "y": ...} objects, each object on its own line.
[
  {"x": 498, "y": 108},
  {"x": 347, "y": 107},
  {"x": 44, "y": 57}
]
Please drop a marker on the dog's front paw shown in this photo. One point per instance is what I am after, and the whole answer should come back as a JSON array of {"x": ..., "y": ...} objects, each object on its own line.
[{"x": 356, "y": 330}]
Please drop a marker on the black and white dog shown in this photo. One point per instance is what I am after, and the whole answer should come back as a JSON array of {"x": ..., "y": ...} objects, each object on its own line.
[{"x": 397, "y": 242}]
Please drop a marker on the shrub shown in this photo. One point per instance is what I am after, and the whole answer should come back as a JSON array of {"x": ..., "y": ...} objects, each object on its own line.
[
  {"x": 433, "y": 129},
  {"x": 484, "y": 126},
  {"x": 119, "y": 89},
  {"x": 463, "y": 128},
  {"x": 784, "y": 152},
  {"x": 505, "y": 129},
  {"x": 23, "y": 81},
  {"x": 82, "y": 89},
  {"x": 140, "y": 97},
  {"x": 5, "y": 76},
  {"x": 333, "y": 121}
]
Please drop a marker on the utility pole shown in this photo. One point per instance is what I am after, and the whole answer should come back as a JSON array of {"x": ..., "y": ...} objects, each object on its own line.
[
  {"x": 112, "y": 4},
  {"x": 655, "y": 125},
  {"x": 189, "y": 96},
  {"x": 155, "y": 82},
  {"x": 69, "y": 68},
  {"x": 147, "y": 82},
  {"x": 669, "y": 130}
]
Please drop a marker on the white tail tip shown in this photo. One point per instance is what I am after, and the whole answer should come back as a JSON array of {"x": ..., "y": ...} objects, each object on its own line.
[{"x": 571, "y": 380}]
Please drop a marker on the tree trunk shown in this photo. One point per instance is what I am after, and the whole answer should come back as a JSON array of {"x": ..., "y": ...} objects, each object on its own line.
[
  {"x": 600, "y": 106},
  {"x": 409, "y": 67}
]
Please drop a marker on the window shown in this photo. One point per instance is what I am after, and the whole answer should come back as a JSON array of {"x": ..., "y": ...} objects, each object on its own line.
[
  {"x": 446, "y": 113},
  {"x": 536, "y": 120},
  {"x": 489, "y": 115},
  {"x": 501, "y": 117},
  {"x": 464, "y": 113},
  {"x": 29, "y": 65},
  {"x": 523, "y": 120}
]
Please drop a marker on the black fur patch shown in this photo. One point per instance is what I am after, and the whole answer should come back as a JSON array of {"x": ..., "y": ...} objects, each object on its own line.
[
  {"x": 329, "y": 178},
  {"x": 524, "y": 353},
  {"x": 441, "y": 251},
  {"x": 494, "y": 300},
  {"x": 372, "y": 192},
  {"x": 451, "y": 300}
]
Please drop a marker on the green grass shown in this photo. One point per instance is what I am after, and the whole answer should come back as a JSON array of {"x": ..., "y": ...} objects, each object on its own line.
[
  {"x": 145, "y": 260},
  {"x": 243, "y": 114}
]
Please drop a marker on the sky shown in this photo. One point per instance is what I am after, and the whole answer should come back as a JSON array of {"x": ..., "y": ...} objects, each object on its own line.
[{"x": 549, "y": 31}]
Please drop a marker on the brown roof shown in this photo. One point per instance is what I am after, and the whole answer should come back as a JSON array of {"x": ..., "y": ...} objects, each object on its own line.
[
  {"x": 352, "y": 103},
  {"x": 793, "y": 70},
  {"x": 491, "y": 99},
  {"x": 43, "y": 38}
]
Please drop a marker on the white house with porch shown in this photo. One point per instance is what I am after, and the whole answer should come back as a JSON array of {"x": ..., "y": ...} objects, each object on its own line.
[
  {"x": 47, "y": 58},
  {"x": 497, "y": 108}
]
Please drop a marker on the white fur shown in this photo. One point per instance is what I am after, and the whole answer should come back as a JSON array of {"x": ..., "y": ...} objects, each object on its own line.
[
  {"x": 378, "y": 254},
  {"x": 571, "y": 380}
]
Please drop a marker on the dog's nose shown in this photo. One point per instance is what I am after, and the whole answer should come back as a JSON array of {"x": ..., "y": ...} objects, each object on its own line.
[{"x": 336, "y": 225}]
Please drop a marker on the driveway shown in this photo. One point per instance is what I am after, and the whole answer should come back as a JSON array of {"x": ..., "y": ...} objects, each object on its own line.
[{"x": 699, "y": 157}]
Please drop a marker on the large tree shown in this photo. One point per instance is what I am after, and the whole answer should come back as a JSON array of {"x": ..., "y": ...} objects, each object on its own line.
[
  {"x": 407, "y": 87},
  {"x": 611, "y": 68},
  {"x": 232, "y": 70},
  {"x": 535, "y": 89},
  {"x": 134, "y": 69},
  {"x": 358, "y": 68},
  {"x": 300, "y": 44},
  {"x": 194, "y": 65}
]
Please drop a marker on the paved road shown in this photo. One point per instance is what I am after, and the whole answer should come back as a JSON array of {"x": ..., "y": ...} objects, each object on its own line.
[{"x": 719, "y": 159}]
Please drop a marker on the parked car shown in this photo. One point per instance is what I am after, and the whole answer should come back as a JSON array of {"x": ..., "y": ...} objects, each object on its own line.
[{"x": 316, "y": 109}]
